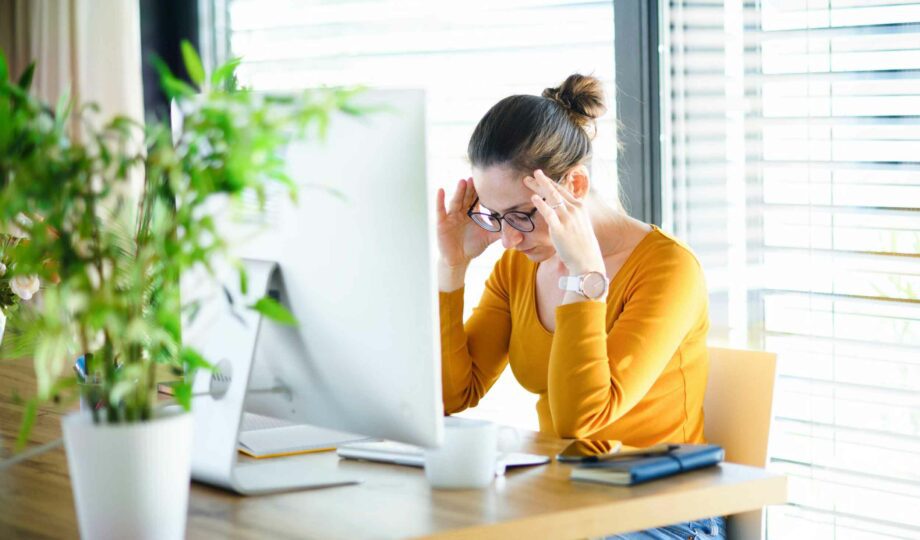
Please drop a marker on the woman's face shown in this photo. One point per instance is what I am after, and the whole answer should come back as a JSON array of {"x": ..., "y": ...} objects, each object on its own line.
[{"x": 501, "y": 190}]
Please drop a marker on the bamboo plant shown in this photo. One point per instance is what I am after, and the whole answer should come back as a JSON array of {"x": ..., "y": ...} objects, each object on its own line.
[{"x": 113, "y": 255}]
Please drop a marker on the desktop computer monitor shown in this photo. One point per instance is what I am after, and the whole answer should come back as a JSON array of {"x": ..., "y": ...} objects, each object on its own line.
[
  {"x": 357, "y": 260},
  {"x": 358, "y": 264}
]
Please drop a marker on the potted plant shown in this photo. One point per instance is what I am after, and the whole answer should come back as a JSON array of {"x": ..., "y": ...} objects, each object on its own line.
[{"x": 116, "y": 255}]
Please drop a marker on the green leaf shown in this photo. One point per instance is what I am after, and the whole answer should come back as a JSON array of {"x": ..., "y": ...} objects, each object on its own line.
[
  {"x": 25, "y": 80},
  {"x": 161, "y": 66},
  {"x": 28, "y": 420},
  {"x": 270, "y": 308},
  {"x": 192, "y": 63},
  {"x": 193, "y": 361},
  {"x": 244, "y": 279},
  {"x": 171, "y": 85},
  {"x": 62, "y": 110},
  {"x": 172, "y": 324},
  {"x": 31, "y": 408},
  {"x": 225, "y": 72},
  {"x": 4, "y": 69},
  {"x": 176, "y": 88},
  {"x": 183, "y": 393},
  {"x": 16, "y": 92}
]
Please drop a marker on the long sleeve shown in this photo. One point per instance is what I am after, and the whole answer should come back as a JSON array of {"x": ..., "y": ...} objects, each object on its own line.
[
  {"x": 473, "y": 355},
  {"x": 598, "y": 373}
]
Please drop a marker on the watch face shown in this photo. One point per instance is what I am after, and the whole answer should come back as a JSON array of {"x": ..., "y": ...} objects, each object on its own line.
[{"x": 594, "y": 285}]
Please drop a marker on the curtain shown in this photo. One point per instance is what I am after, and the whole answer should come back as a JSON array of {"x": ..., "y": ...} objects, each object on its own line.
[{"x": 87, "y": 49}]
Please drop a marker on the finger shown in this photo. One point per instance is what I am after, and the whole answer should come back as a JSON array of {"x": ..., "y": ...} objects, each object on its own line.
[
  {"x": 562, "y": 198},
  {"x": 543, "y": 186},
  {"x": 567, "y": 195},
  {"x": 533, "y": 185},
  {"x": 457, "y": 200},
  {"x": 549, "y": 215},
  {"x": 470, "y": 193},
  {"x": 439, "y": 205},
  {"x": 546, "y": 180}
]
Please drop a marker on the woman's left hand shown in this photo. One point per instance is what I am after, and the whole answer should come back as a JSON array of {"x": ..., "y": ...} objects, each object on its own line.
[{"x": 569, "y": 225}]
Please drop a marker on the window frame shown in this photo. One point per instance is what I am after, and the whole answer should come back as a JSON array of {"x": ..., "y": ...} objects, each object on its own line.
[{"x": 638, "y": 97}]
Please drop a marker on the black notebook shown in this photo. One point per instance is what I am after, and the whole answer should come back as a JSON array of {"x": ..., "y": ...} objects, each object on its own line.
[{"x": 627, "y": 472}]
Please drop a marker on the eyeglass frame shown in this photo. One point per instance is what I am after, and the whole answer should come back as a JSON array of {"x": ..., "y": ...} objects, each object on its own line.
[{"x": 500, "y": 218}]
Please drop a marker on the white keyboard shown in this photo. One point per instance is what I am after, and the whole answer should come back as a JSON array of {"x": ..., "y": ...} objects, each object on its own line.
[
  {"x": 384, "y": 451},
  {"x": 414, "y": 456},
  {"x": 255, "y": 422},
  {"x": 390, "y": 447}
]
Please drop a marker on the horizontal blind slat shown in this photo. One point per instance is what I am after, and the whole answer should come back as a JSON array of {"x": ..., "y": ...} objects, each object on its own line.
[{"x": 814, "y": 110}]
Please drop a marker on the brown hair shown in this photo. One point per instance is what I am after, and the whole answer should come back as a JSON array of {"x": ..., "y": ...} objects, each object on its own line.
[{"x": 551, "y": 132}]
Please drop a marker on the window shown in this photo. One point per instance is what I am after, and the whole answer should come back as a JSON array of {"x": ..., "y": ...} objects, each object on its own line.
[
  {"x": 466, "y": 55},
  {"x": 792, "y": 159}
]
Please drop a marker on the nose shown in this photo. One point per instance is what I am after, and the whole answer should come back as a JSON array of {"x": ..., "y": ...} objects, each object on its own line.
[{"x": 511, "y": 236}]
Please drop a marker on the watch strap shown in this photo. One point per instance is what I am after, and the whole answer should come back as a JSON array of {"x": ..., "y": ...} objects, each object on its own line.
[{"x": 570, "y": 283}]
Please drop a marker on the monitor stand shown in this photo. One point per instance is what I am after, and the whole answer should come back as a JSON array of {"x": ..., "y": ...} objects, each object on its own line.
[{"x": 226, "y": 333}]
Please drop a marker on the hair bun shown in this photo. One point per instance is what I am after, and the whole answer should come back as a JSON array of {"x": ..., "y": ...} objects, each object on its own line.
[{"x": 582, "y": 96}]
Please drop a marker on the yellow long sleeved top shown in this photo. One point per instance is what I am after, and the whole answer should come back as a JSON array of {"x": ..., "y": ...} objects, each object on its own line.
[{"x": 633, "y": 368}]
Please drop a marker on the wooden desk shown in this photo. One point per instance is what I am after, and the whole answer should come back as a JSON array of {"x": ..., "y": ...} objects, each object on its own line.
[{"x": 392, "y": 502}]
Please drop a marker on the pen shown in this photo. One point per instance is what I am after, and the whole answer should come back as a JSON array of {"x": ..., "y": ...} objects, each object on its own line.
[{"x": 79, "y": 369}]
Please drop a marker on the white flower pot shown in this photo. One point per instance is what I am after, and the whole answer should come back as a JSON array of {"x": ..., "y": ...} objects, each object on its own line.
[{"x": 130, "y": 480}]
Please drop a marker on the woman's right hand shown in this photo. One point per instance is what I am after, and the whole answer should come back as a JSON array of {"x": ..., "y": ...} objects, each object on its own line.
[{"x": 460, "y": 240}]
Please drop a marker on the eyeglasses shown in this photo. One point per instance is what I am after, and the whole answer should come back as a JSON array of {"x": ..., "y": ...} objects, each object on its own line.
[{"x": 522, "y": 221}]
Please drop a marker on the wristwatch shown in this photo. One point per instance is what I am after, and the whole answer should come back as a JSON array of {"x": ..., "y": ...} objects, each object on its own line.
[{"x": 593, "y": 285}]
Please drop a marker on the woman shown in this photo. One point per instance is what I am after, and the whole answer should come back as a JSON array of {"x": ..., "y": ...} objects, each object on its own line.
[{"x": 619, "y": 358}]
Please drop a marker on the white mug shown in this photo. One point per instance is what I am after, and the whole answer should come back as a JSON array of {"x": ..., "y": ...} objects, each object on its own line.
[{"x": 469, "y": 457}]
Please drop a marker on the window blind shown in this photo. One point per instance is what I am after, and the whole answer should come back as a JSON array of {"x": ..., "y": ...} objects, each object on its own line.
[
  {"x": 793, "y": 156},
  {"x": 465, "y": 55}
]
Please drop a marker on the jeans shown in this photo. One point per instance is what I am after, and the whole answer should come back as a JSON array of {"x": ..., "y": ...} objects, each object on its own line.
[{"x": 704, "y": 529}]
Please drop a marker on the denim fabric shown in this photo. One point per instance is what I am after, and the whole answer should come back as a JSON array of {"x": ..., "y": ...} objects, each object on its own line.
[{"x": 704, "y": 529}]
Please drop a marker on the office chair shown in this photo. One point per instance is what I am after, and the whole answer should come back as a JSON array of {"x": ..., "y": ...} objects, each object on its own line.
[{"x": 737, "y": 412}]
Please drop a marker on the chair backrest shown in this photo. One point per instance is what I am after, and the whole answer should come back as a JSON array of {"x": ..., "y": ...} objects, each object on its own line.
[
  {"x": 738, "y": 403},
  {"x": 737, "y": 413}
]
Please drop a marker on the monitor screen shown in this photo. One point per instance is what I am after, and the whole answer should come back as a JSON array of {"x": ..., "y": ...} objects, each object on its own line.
[{"x": 357, "y": 259}]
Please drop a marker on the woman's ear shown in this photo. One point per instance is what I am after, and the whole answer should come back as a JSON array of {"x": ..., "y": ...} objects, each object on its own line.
[{"x": 578, "y": 182}]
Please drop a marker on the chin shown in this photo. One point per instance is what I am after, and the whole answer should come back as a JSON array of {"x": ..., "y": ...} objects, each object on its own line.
[{"x": 538, "y": 254}]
